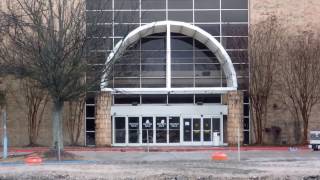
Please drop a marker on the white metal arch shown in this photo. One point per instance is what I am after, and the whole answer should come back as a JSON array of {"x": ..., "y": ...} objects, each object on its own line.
[{"x": 182, "y": 28}]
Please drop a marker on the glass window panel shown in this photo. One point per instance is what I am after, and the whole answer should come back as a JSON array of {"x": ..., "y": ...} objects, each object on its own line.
[
  {"x": 246, "y": 97},
  {"x": 187, "y": 130},
  {"x": 126, "y": 82},
  {"x": 153, "y": 82},
  {"x": 147, "y": 129},
  {"x": 154, "y": 60},
  {"x": 182, "y": 43},
  {"x": 153, "y": 4},
  {"x": 208, "y": 82},
  {"x": 99, "y": 16},
  {"x": 153, "y": 70},
  {"x": 182, "y": 82},
  {"x": 152, "y": 16},
  {"x": 208, "y": 98},
  {"x": 126, "y": 70},
  {"x": 207, "y": 16},
  {"x": 98, "y": 4},
  {"x": 207, "y": 129},
  {"x": 182, "y": 60},
  {"x": 242, "y": 69},
  {"x": 126, "y": 99},
  {"x": 246, "y": 123},
  {"x": 243, "y": 83},
  {"x": 238, "y": 56},
  {"x": 126, "y": 16},
  {"x": 126, "y": 4},
  {"x": 133, "y": 125},
  {"x": 207, "y": 70},
  {"x": 213, "y": 29},
  {"x": 181, "y": 54},
  {"x": 174, "y": 129},
  {"x": 234, "y": 4},
  {"x": 235, "y": 30},
  {"x": 153, "y": 54},
  {"x": 90, "y": 111},
  {"x": 120, "y": 129},
  {"x": 90, "y": 98},
  {"x": 246, "y": 109},
  {"x": 90, "y": 138},
  {"x": 216, "y": 125},
  {"x": 204, "y": 53},
  {"x": 182, "y": 70},
  {"x": 246, "y": 136},
  {"x": 207, "y": 4},
  {"x": 90, "y": 124},
  {"x": 154, "y": 99},
  {"x": 184, "y": 16},
  {"x": 153, "y": 43},
  {"x": 99, "y": 30},
  {"x": 100, "y": 44},
  {"x": 234, "y": 16},
  {"x": 124, "y": 29},
  {"x": 196, "y": 125},
  {"x": 180, "y": 4},
  {"x": 235, "y": 42},
  {"x": 97, "y": 57},
  {"x": 180, "y": 98},
  {"x": 161, "y": 129}
]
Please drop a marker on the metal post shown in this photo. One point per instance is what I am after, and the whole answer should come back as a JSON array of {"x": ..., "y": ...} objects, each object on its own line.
[
  {"x": 148, "y": 139},
  {"x": 5, "y": 138},
  {"x": 239, "y": 142}
]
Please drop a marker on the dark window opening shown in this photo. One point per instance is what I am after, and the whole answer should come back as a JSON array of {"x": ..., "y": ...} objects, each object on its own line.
[
  {"x": 180, "y": 98},
  {"x": 154, "y": 99},
  {"x": 126, "y": 99},
  {"x": 208, "y": 98}
]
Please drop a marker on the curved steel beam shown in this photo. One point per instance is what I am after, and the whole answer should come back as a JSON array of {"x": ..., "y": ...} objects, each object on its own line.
[{"x": 176, "y": 27}]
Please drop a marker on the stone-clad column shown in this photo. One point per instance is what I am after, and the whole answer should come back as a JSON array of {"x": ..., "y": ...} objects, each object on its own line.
[
  {"x": 103, "y": 119},
  {"x": 235, "y": 117}
]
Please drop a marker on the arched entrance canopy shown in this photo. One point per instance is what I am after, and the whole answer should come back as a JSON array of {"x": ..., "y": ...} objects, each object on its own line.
[{"x": 182, "y": 28}]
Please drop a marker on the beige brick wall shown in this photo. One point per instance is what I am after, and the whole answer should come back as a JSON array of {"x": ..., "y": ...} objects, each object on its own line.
[
  {"x": 17, "y": 121},
  {"x": 103, "y": 119},
  {"x": 294, "y": 15},
  {"x": 235, "y": 117}
]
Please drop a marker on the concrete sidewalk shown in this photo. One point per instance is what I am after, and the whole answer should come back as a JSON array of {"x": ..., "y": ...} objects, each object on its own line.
[{"x": 157, "y": 149}]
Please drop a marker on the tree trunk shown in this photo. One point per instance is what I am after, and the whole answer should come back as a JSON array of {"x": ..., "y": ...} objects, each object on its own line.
[
  {"x": 57, "y": 125},
  {"x": 305, "y": 131}
]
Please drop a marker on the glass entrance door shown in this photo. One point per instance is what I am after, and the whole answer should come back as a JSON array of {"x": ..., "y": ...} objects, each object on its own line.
[
  {"x": 196, "y": 129},
  {"x": 161, "y": 130},
  {"x": 147, "y": 129},
  {"x": 201, "y": 131},
  {"x": 133, "y": 129}
]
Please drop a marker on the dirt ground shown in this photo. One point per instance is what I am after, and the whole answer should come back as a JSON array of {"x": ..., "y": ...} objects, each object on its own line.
[{"x": 303, "y": 164}]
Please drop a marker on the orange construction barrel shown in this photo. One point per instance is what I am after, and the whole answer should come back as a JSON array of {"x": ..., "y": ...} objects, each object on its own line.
[
  {"x": 219, "y": 156},
  {"x": 33, "y": 160}
]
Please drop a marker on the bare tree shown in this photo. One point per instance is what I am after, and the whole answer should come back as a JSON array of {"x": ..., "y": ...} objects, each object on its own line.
[
  {"x": 36, "y": 100},
  {"x": 75, "y": 119},
  {"x": 47, "y": 43},
  {"x": 299, "y": 79},
  {"x": 265, "y": 39}
]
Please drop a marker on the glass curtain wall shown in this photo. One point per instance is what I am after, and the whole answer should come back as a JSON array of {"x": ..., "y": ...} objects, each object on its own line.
[{"x": 192, "y": 64}]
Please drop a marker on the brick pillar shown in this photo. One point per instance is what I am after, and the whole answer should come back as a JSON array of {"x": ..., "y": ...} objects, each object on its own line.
[
  {"x": 103, "y": 119},
  {"x": 235, "y": 117}
]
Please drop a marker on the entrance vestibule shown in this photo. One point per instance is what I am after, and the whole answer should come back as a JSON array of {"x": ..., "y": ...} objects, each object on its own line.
[{"x": 162, "y": 130}]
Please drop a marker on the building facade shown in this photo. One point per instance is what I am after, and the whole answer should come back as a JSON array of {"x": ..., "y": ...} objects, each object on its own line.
[
  {"x": 174, "y": 64},
  {"x": 172, "y": 83}
]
